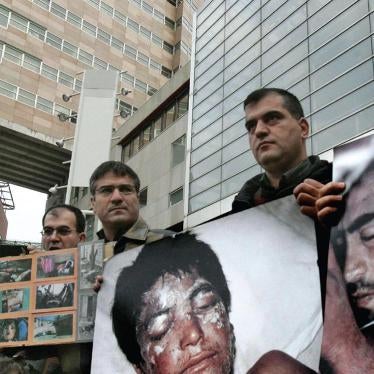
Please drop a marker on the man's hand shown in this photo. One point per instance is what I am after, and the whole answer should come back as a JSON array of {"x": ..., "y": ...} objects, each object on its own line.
[
  {"x": 320, "y": 201},
  {"x": 277, "y": 362},
  {"x": 330, "y": 204},
  {"x": 98, "y": 281},
  {"x": 31, "y": 249}
]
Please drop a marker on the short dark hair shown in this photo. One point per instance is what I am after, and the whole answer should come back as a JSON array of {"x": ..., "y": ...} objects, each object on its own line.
[
  {"x": 171, "y": 255},
  {"x": 79, "y": 217},
  {"x": 290, "y": 101},
  {"x": 117, "y": 168}
]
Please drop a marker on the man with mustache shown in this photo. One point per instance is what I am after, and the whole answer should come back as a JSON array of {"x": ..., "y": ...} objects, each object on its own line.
[
  {"x": 356, "y": 250},
  {"x": 114, "y": 189}
]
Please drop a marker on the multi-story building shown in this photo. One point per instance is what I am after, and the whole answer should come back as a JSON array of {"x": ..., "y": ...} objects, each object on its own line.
[
  {"x": 322, "y": 51},
  {"x": 152, "y": 142},
  {"x": 45, "y": 45}
]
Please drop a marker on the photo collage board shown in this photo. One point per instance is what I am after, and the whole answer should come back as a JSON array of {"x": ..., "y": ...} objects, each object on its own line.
[{"x": 47, "y": 298}]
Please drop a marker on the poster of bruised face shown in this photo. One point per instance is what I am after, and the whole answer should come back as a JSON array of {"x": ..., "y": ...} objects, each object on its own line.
[
  {"x": 216, "y": 299},
  {"x": 349, "y": 322}
]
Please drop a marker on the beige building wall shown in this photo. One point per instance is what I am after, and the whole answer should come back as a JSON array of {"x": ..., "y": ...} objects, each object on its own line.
[{"x": 113, "y": 19}]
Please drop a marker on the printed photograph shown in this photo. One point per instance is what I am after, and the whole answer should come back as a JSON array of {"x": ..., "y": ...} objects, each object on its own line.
[
  {"x": 55, "y": 295},
  {"x": 215, "y": 301},
  {"x": 349, "y": 314},
  {"x": 56, "y": 265},
  {"x": 91, "y": 263},
  {"x": 14, "y": 300},
  {"x": 13, "y": 330},
  {"x": 15, "y": 270},
  {"x": 53, "y": 327},
  {"x": 86, "y": 316}
]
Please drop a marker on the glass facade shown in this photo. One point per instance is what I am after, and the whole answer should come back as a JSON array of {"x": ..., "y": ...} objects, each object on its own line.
[{"x": 320, "y": 50}]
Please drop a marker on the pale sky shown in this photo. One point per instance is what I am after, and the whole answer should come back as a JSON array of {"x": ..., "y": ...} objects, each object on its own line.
[{"x": 24, "y": 222}]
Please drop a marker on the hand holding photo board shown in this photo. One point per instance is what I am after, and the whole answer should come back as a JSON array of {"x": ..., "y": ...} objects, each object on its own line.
[
  {"x": 38, "y": 298},
  {"x": 47, "y": 298},
  {"x": 216, "y": 299}
]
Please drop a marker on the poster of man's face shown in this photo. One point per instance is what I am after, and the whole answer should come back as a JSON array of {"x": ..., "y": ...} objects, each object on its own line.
[
  {"x": 215, "y": 299},
  {"x": 353, "y": 239}
]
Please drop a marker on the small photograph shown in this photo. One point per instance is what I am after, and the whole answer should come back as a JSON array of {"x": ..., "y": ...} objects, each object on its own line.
[
  {"x": 53, "y": 327},
  {"x": 91, "y": 263},
  {"x": 15, "y": 270},
  {"x": 56, "y": 265},
  {"x": 86, "y": 316},
  {"x": 56, "y": 295},
  {"x": 13, "y": 330},
  {"x": 14, "y": 300}
]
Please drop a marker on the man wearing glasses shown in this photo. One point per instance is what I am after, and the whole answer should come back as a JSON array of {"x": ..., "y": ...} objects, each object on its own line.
[
  {"x": 63, "y": 227},
  {"x": 114, "y": 189}
]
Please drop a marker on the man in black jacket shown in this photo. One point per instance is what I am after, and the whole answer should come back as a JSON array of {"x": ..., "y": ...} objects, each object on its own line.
[{"x": 277, "y": 132}]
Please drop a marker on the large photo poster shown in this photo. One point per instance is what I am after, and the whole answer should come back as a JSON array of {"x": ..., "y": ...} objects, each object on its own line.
[
  {"x": 348, "y": 340},
  {"x": 215, "y": 299}
]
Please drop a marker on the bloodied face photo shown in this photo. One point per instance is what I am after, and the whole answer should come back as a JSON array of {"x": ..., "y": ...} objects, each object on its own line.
[
  {"x": 15, "y": 270},
  {"x": 180, "y": 319},
  {"x": 13, "y": 330},
  {"x": 353, "y": 238},
  {"x": 213, "y": 300}
]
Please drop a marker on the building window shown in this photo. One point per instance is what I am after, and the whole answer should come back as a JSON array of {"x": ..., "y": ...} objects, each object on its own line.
[
  {"x": 103, "y": 36},
  {"x": 178, "y": 150},
  {"x": 130, "y": 52},
  {"x": 176, "y": 196},
  {"x": 143, "y": 194},
  {"x": 170, "y": 116},
  {"x": 89, "y": 28},
  {"x": 54, "y": 40},
  {"x": 8, "y": 89},
  {"x": 168, "y": 47},
  {"x": 18, "y": 22},
  {"x": 70, "y": 49},
  {"x": 170, "y": 23},
  {"x": 13, "y": 55},
  {"x": 37, "y": 31},
  {"x": 74, "y": 19},
  {"x": 26, "y": 97},
  {"x": 44, "y": 105},
  {"x": 66, "y": 80},
  {"x": 58, "y": 10},
  {"x": 49, "y": 72},
  {"x": 166, "y": 72},
  {"x": 182, "y": 105},
  {"x": 132, "y": 25},
  {"x": 32, "y": 63}
]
